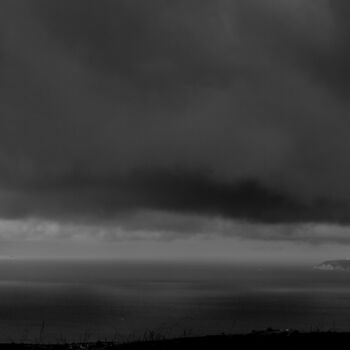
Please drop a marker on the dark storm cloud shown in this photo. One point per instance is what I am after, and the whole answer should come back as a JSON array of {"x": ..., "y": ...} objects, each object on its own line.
[
  {"x": 331, "y": 68},
  {"x": 232, "y": 108},
  {"x": 179, "y": 192}
]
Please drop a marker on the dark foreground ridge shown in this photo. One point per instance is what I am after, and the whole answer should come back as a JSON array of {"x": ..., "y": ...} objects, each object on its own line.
[{"x": 256, "y": 340}]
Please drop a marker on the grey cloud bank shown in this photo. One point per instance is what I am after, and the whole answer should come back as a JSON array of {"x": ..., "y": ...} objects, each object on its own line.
[{"x": 235, "y": 109}]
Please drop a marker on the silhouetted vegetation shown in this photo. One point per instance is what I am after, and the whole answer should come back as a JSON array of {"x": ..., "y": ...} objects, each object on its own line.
[{"x": 269, "y": 339}]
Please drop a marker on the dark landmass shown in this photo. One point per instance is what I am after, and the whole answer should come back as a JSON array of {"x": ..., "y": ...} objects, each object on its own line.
[
  {"x": 270, "y": 339},
  {"x": 343, "y": 265}
]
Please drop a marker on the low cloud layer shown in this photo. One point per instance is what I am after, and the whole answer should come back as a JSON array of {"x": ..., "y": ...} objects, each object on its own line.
[
  {"x": 148, "y": 226},
  {"x": 231, "y": 109}
]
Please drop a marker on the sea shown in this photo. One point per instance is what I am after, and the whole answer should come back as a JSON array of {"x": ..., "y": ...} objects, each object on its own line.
[{"x": 65, "y": 301}]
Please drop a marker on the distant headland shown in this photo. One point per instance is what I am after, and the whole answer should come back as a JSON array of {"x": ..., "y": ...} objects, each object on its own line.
[{"x": 343, "y": 265}]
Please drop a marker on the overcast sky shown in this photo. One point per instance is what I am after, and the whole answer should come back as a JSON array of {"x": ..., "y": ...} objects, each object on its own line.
[{"x": 161, "y": 123}]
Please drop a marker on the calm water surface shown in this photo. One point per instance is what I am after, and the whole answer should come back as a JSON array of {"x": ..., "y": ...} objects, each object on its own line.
[{"x": 57, "y": 301}]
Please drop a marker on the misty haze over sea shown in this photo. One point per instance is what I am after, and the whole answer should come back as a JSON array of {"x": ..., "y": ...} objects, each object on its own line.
[{"x": 82, "y": 300}]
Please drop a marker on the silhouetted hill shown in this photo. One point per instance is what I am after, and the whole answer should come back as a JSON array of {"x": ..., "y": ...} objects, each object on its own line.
[{"x": 272, "y": 340}]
